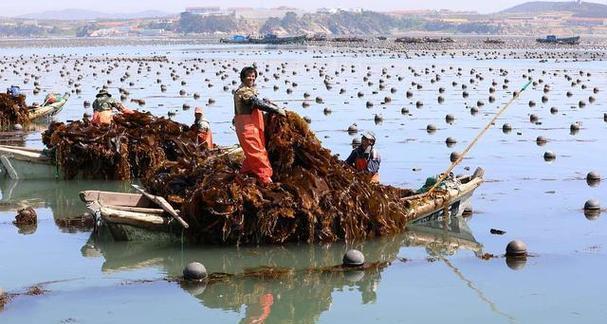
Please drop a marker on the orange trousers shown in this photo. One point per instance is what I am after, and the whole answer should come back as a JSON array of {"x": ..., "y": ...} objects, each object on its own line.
[
  {"x": 205, "y": 138},
  {"x": 250, "y": 132},
  {"x": 105, "y": 117}
]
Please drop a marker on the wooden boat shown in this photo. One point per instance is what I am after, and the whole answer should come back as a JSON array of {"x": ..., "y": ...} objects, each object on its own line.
[
  {"x": 552, "y": 39},
  {"x": 27, "y": 163},
  {"x": 270, "y": 39},
  {"x": 132, "y": 217},
  {"x": 48, "y": 109}
]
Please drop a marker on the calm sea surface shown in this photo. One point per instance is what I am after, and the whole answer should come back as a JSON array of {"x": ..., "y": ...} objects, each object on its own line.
[{"x": 434, "y": 275}]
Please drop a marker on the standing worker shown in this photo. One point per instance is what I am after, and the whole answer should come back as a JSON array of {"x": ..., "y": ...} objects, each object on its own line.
[
  {"x": 365, "y": 157},
  {"x": 203, "y": 129},
  {"x": 102, "y": 108},
  {"x": 249, "y": 124}
]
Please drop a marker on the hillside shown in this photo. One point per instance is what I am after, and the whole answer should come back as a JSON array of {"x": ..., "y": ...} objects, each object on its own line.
[
  {"x": 81, "y": 14},
  {"x": 584, "y": 9},
  {"x": 364, "y": 23}
]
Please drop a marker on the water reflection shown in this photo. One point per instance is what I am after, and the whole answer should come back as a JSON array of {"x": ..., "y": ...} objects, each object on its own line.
[
  {"x": 62, "y": 197},
  {"x": 303, "y": 284}
]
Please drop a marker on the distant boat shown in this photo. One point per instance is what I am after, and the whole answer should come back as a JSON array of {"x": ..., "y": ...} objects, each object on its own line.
[
  {"x": 266, "y": 39},
  {"x": 552, "y": 39},
  {"x": 348, "y": 40},
  {"x": 418, "y": 40},
  {"x": 236, "y": 39},
  {"x": 493, "y": 41}
]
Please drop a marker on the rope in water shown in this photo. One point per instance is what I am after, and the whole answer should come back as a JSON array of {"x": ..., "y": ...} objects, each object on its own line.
[{"x": 483, "y": 131}]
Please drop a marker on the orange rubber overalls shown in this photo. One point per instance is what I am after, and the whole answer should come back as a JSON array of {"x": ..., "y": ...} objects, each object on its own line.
[
  {"x": 102, "y": 107},
  {"x": 250, "y": 129},
  {"x": 205, "y": 138},
  {"x": 361, "y": 165}
]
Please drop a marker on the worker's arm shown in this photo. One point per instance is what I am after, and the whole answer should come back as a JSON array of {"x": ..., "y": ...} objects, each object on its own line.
[
  {"x": 350, "y": 160},
  {"x": 122, "y": 108},
  {"x": 373, "y": 162},
  {"x": 267, "y": 106}
]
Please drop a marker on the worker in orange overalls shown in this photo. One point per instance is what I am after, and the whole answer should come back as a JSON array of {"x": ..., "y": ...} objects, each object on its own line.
[
  {"x": 204, "y": 135},
  {"x": 365, "y": 157},
  {"x": 249, "y": 125},
  {"x": 102, "y": 108}
]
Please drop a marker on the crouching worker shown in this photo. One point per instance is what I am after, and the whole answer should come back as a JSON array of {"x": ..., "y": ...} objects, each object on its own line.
[
  {"x": 249, "y": 124},
  {"x": 102, "y": 108},
  {"x": 204, "y": 136},
  {"x": 365, "y": 157}
]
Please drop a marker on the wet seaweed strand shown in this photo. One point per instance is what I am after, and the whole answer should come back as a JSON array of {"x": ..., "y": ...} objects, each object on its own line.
[
  {"x": 13, "y": 110},
  {"x": 128, "y": 148}
]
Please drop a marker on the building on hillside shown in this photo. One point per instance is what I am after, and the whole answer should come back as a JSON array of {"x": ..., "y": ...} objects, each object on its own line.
[{"x": 208, "y": 11}]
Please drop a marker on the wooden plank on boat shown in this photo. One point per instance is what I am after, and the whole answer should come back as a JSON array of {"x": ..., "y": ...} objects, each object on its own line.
[
  {"x": 115, "y": 198},
  {"x": 160, "y": 201},
  {"x": 131, "y": 218}
]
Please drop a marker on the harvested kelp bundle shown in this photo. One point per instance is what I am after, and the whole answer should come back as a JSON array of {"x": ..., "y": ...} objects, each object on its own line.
[
  {"x": 13, "y": 110},
  {"x": 315, "y": 197},
  {"x": 128, "y": 148}
]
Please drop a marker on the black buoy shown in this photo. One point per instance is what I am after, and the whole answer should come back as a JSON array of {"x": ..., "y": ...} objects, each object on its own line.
[
  {"x": 454, "y": 156},
  {"x": 430, "y": 128},
  {"x": 549, "y": 156},
  {"x": 516, "y": 248},
  {"x": 592, "y": 204},
  {"x": 541, "y": 140},
  {"x": 554, "y": 110},
  {"x": 574, "y": 128},
  {"x": 355, "y": 142},
  {"x": 353, "y": 128},
  {"x": 593, "y": 176},
  {"x": 506, "y": 128},
  {"x": 194, "y": 271},
  {"x": 353, "y": 258}
]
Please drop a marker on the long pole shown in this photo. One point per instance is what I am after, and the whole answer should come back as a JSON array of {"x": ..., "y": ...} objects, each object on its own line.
[{"x": 483, "y": 131}]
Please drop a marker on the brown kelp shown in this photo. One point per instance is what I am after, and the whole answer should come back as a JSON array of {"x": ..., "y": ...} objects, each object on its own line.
[
  {"x": 128, "y": 148},
  {"x": 315, "y": 197},
  {"x": 13, "y": 110}
]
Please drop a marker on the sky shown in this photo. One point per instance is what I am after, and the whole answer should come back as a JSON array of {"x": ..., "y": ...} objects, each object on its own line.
[{"x": 16, "y": 8}]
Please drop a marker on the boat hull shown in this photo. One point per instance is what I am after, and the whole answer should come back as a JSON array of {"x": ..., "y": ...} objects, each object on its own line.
[
  {"x": 48, "y": 110},
  {"x": 22, "y": 163},
  {"x": 115, "y": 212}
]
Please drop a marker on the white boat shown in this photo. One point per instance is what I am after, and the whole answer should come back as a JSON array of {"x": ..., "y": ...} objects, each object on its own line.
[{"x": 27, "y": 163}]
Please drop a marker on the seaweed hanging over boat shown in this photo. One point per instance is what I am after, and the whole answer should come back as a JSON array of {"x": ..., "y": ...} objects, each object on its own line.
[
  {"x": 128, "y": 148},
  {"x": 13, "y": 110},
  {"x": 315, "y": 197}
]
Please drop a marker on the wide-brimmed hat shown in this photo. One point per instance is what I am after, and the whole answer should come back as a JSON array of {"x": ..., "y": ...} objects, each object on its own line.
[
  {"x": 103, "y": 92},
  {"x": 369, "y": 135}
]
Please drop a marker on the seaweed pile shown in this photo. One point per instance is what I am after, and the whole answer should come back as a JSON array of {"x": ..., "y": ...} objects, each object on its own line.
[
  {"x": 315, "y": 197},
  {"x": 128, "y": 148},
  {"x": 13, "y": 110}
]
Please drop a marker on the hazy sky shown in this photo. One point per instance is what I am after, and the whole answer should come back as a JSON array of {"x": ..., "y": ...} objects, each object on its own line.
[{"x": 15, "y": 8}]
